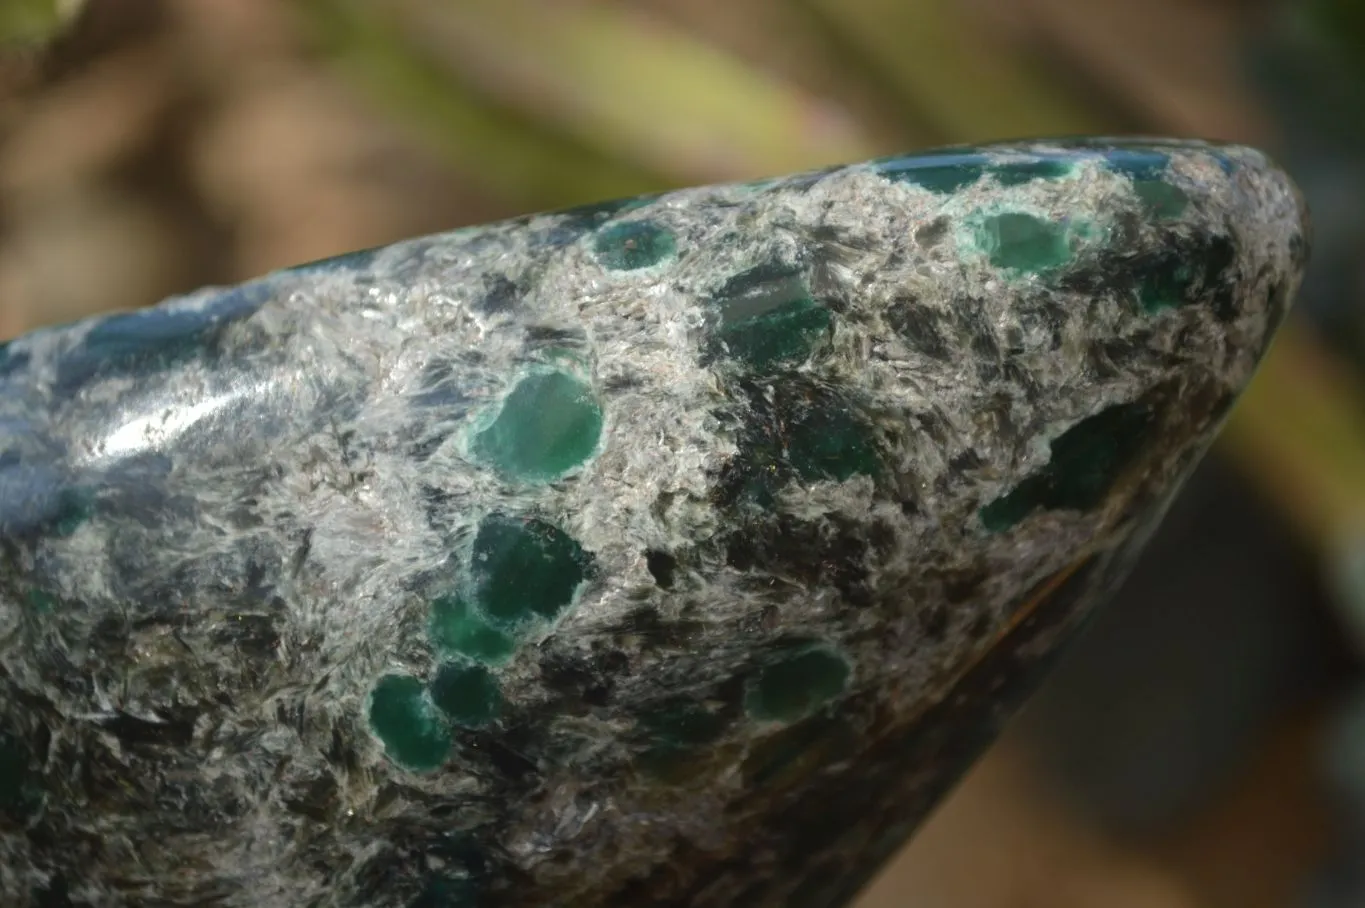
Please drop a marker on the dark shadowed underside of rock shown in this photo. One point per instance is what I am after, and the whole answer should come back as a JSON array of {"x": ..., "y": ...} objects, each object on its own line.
[{"x": 678, "y": 551}]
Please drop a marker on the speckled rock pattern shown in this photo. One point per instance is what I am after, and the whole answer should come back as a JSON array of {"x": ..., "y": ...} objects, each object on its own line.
[{"x": 674, "y": 551}]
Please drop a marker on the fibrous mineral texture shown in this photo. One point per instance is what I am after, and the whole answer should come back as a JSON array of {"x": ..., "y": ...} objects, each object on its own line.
[{"x": 671, "y": 552}]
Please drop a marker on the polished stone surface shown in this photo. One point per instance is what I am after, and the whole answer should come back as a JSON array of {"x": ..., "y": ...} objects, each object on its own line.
[{"x": 675, "y": 551}]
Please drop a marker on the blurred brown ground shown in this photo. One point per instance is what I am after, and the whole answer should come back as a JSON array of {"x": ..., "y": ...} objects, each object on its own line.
[{"x": 172, "y": 143}]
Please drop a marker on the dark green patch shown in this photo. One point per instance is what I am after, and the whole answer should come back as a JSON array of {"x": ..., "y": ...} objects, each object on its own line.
[
  {"x": 20, "y": 793},
  {"x": 1161, "y": 199},
  {"x": 468, "y": 694},
  {"x": 1180, "y": 268},
  {"x": 1166, "y": 287},
  {"x": 680, "y": 733},
  {"x": 683, "y": 723},
  {"x": 796, "y": 684},
  {"x": 832, "y": 445},
  {"x": 632, "y": 245},
  {"x": 1185, "y": 275},
  {"x": 1086, "y": 461},
  {"x": 75, "y": 506},
  {"x": 1016, "y": 173},
  {"x": 525, "y": 570},
  {"x": 767, "y": 317},
  {"x": 412, "y": 732},
  {"x": 41, "y": 601},
  {"x": 797, "y": 429},
  {"x": 1021, "y": 242},
  {"x": 447, "y": 892},
  {"x": 457, "y": 629},
  {"x": 550, "y": 424},
  {"x": 662, "y": 567},
  {"x": 944, "y": 171}
]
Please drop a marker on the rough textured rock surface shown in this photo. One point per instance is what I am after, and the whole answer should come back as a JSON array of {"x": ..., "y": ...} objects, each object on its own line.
[{"x": 676, "y": 551}]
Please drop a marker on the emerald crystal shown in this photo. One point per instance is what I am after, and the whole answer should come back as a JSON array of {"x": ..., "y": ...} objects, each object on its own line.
[
  {"x": 525, "y": 569},
  {"x": 467, "y": 694},
  {"x": 548, "y": 425},
  {"x": 632, "y": 245},
  {"x": 797, "y": 684},
  {"x": 1021, "y": 242},
  {"x": 403, "y": 719},
  {"x": 457, "y": 629}
]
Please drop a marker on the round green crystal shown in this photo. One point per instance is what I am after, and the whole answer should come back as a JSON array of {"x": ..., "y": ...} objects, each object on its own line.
[
  {"x": 457, "y": 629},
  {"x": 525, "y": 570},
  {"x": 632, "y": 245},
  {"x": 402, "y": 717},
  {"x": 550, "y": 424},
  {"x": 468, "y": 694}
]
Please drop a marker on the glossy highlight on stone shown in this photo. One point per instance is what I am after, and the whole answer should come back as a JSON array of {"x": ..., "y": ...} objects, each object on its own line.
[
  {"x": 676, "y": 550},
  {"x": 941, "y": 173},
  {"x": 767, "y": 317}
]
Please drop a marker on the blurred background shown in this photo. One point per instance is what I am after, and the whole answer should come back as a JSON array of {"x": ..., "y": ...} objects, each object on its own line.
[{"x": 1204, "y": 744}]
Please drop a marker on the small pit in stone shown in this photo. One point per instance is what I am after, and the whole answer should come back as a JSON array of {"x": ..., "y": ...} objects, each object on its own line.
[
  {"x": 662, "y": 567},
  {"x": 633, "y": 245}
]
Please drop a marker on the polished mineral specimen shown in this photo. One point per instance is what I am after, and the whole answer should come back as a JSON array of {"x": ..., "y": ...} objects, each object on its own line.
[{"x": 672, "y": 552}]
